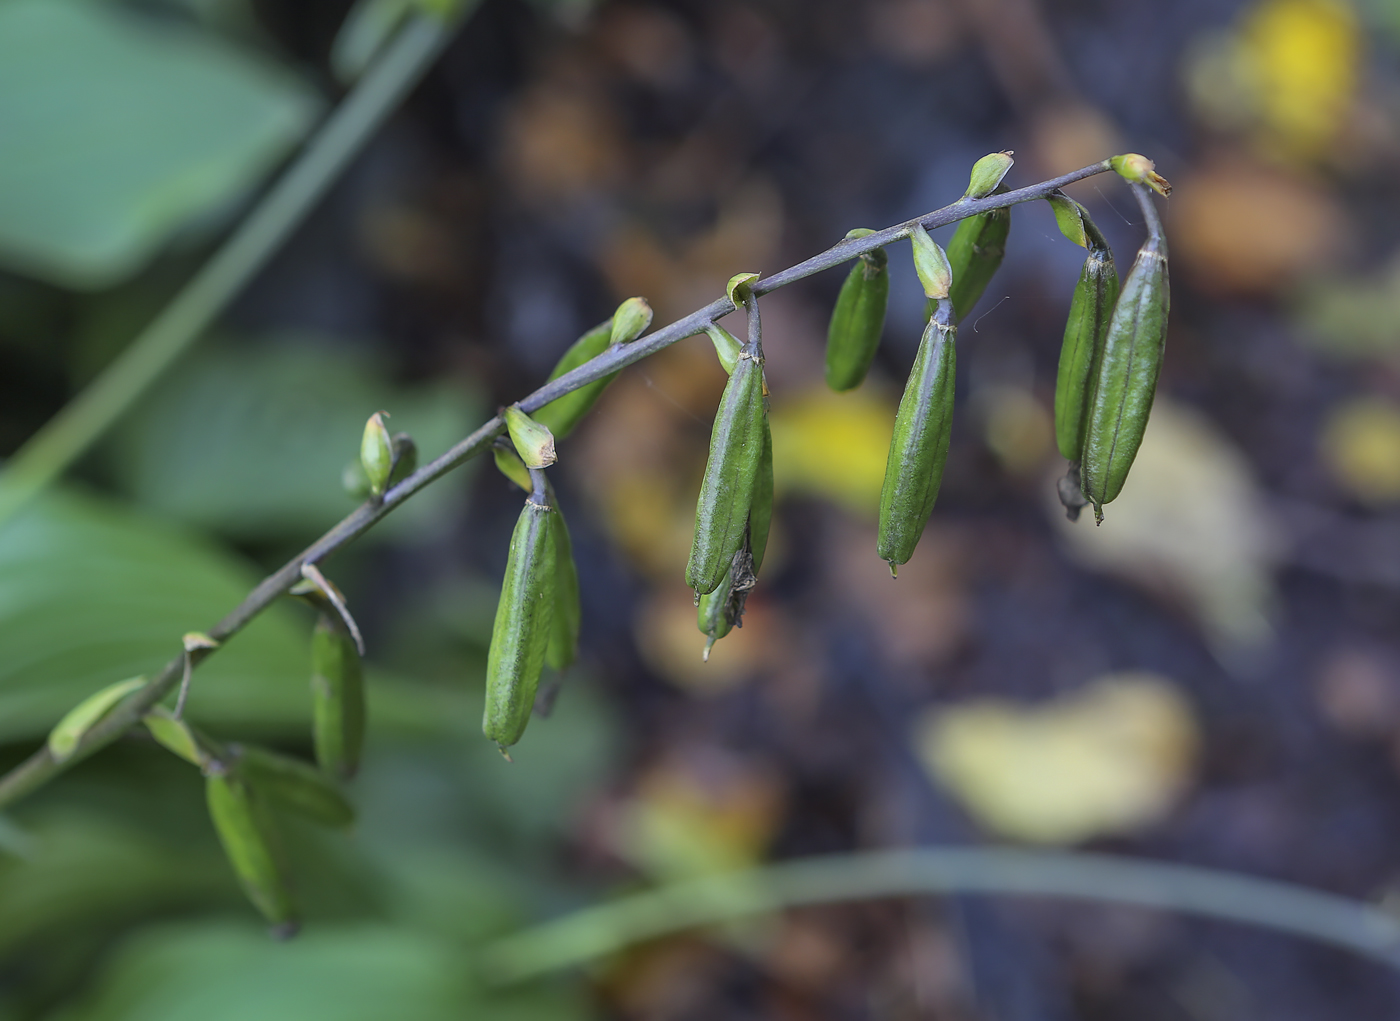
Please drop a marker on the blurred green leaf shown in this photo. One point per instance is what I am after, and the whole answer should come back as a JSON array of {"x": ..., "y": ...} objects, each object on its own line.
[
  {"x": 369, "y": 25},
  {"x": 119, "y": 130},
  {"x": 252, "y": 440},
  {"x": 91, "y": 593}
]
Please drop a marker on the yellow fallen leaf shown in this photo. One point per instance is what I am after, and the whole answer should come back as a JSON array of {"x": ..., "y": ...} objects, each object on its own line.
[
  {"x": 1017, "y": 428},
  {"x": 1189, "y": 523},
  {"x": 1361, "y": 445},
  {"x": 1112, "y": 757},
  {"x": 833, "y": 445}
]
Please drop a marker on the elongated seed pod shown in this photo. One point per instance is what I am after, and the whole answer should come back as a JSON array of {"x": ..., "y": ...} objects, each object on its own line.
[
  {"x": 337, "y": 698},
  {"x": 253, "y": 846},
  {"x": 975, "y": 253},
  {"x": 1127, "y": 375},
  {"x": 562, "y": 414},
  {"x": 919, "y": 446},
  {"x": 521, "y": 634},
  {"x": 723, "y": 609},
  {"x": 564, "y": 626},
  {"x": 857, "y": 320},
  {"x": 726, "y": 494},
  {"x": 1086, "y": 329},
  {"x": 295, "y": 785}
]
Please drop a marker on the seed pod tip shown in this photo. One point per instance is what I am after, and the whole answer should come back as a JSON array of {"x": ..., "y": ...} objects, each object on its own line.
[{"x": 1139, "y": 169}]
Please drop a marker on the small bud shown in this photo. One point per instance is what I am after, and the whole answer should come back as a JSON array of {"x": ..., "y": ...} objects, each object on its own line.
[
  {"x": 727, "y": 346},
  {"x": 175, "y": 735},
  {"x": 630, "y": 320},
  {"x": 1069, "y": 215},
  {"x": 377, "y": 454},
  {"x": 987, "y": 174},
  {"x": 1141, "y": 170},
  {"x": 405, "y": 457},
  {"x": 931, "y": 263},
  {"x": 533, "y": 442},
  {"x": 738, "y": 283}
]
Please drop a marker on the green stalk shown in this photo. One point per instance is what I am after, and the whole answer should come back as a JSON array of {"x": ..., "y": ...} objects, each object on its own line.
[
  {"x": 70, "y": 433},
  {"x": 598, "y": 931}
]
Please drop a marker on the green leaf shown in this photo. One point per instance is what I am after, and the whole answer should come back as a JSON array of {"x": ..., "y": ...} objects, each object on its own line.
[
  {"x": 252, "y": 441},
  {"x": 119, "y": 131},
  {"x": 90, "y": 593}
]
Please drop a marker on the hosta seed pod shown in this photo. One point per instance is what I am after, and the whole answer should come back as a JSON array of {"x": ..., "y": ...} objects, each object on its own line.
[
  {"x": 1126, "y": 380},
  {"x": 253, "y": 846},
  {"x": 1086, "y": 330},
  {"x": 295, "y": 785},
  {"x": 857, "y": 320},
  {"x": 377, "y": 453},
  {"x": 975, "y": 253},
  {"x": 562, "y": 414},
  {"x": 726, "y": 493},
  {"x": 337, "y": 698},
  {"x": 723, "y": 609},
  {"x": 564, "y": 625},
  {"x": 521, "y": 634},
  {"x": 919, "y": 446}
]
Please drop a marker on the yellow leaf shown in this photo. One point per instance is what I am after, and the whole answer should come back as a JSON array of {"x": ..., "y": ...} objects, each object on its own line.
[
  {"x": 1361, "y": 444},
  {"x": 1110, "y": 758},
  {"x": 833, "y": 445}
]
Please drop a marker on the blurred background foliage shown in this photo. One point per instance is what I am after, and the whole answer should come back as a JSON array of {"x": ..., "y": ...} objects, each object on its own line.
[{"x": 1213, "y": 676}]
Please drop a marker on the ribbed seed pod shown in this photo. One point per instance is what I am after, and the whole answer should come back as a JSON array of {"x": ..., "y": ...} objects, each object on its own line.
[
  {"x": 726, "y": 493},
  {"x": 562, "y": 414},
  {"x": 723, "y": 609},
  {"x": 919, "y": 446},
  {"x": 521, "y": 634},
  {"x": 857, "y": 320},
  {"x": 337, "y": 698},
  {"x": 295, "y": 785},
  {"x": 975, "y": 253},
  {"x": 253, "y": 846},
  {"x": 1086, "y": 329},
  {"x": 1127, "y": 376},
  {"x": 564, "y": 625}
]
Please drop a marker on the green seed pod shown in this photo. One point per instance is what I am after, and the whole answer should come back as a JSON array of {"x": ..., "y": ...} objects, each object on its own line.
[
  {"x": 975, "y": 254},
  {"x": 337, "y": 698},
  {"x": 727, "y": 346},
  {"x": 987, "y": 174},
  {"x": 295, "y": 785},
  {"x": 69, "y": 731},
  {"x": 857, "y": 320},
  {"x": 533, "y": 442},
  {"x": 562, "y": 414},
  {"x": 723, "y": 609},
  {"x": 377, "y": 453},
  {"x": 630, "y": 321},
  {"x": 726, "y": 494},
  {"x": 253, "y": 846},
  {"x": 521, "y": 634},
  {"x": 564, "y": 625},
  {"x": 1126, "y": 379},
  {"x": 1086, "y": 330},
  {"x": 931, "y": 263},
  {"x": 919, "y": 446}
]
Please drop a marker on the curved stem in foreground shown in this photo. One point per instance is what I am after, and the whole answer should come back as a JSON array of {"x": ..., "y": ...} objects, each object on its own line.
[
  {"x": 598, "y": 931},
  {"x": 41, "y": 767}
]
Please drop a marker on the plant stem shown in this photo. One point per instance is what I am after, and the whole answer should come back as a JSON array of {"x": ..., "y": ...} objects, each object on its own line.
[
  {"x": 598, "y": 931},
  {"x": 40, "y": 767},
  {"x": 69, "y": 434}
]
